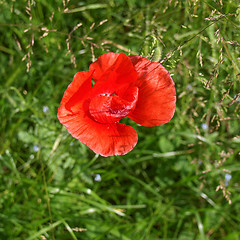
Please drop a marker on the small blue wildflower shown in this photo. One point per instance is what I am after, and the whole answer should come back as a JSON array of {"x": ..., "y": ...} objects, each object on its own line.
[
  {"x": 189, "y": 87},
  {"x": 204, "y": 126},
  {"x": 97, "y": 178},
  {"x": 45, "y": 108},
  {"x": 82, "y": 51},
  {"x": 228, "y": 177},
  {"x": 35, "y": 148}
]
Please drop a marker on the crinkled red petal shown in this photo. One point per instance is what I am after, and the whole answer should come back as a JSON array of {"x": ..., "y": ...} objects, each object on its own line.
[
  {"x": 157, "y": 95},
  {"x": 104, "y": 139},
  {"x": 108, "y": 108},
  {"x": 103, "y": 64},
  {"x": 75, "y": 93},
  {"x": 114, "y": 69}
]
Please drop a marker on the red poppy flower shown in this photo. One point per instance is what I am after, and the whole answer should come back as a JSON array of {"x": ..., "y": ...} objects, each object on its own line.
[{"x": 124, "y": 86}]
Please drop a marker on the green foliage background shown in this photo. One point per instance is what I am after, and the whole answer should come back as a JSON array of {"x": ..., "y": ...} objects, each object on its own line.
[{"x": 182, "y": 179}]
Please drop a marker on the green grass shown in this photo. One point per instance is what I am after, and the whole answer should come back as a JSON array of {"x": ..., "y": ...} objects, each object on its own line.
[{"x": 172, "y": 185}]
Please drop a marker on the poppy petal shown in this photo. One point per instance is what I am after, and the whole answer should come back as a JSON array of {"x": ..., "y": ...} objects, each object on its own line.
[
  {"x": 102, "y": 64},
  {"x": 157, "y": 95},
  {"x": 104, "y": 139},
  {"x": 108, "y": 108},
  {"x": 113, "y": 68},
  {"x": 76, "y": 91}
]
